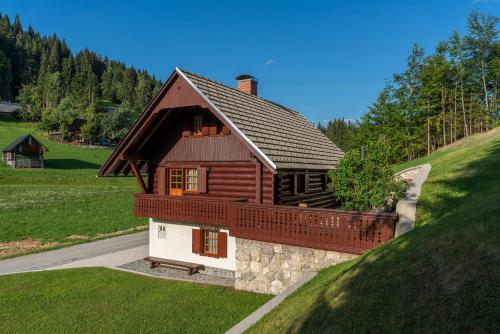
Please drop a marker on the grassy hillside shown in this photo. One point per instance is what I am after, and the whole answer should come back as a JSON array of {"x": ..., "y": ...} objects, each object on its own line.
[
  {"x": 443, "y": 277},
  {"x": 63, "y": 202},
  {"x": 108, "y": 301}
]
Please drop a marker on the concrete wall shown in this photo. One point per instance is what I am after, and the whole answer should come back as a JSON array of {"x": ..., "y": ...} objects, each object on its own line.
[
  {"x": 177, "y": 245},
  {"x": 271, "y": 268}
]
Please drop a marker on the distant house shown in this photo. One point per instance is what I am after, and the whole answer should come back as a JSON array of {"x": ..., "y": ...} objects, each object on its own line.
[
  {"x": 56, "y": 136},
  {"x": 8, "y": 108},
  {"x": 24, "y": 152}
]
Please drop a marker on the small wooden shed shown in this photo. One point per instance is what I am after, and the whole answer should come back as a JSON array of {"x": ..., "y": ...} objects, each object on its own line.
[{"x": 24, "y": 152}]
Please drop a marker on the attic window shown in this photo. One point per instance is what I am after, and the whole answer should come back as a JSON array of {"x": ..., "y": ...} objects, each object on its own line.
[
  {"x": 198, "y": 125},
  {"x": 301, "y": 183}
]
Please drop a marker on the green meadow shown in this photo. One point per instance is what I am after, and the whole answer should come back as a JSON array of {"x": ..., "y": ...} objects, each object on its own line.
[{"x": 65, "y": 202}]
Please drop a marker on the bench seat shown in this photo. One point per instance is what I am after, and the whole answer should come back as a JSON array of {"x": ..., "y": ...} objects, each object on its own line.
[{"x": 189, "y": 267}]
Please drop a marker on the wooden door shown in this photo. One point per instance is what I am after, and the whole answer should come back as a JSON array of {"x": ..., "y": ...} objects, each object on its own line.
[{"x": 176, "y": 181}]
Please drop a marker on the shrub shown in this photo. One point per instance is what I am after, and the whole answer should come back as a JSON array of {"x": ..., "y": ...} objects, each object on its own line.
[{"x": 366, "y": 184}]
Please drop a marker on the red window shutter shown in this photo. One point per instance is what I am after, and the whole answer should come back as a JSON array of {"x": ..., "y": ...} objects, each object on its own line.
[
  {"x": 202, "y": 180},
  {"x": 222, "y": 250},
  {"x": 161, "y": 180},
  {"x": 196, "y": 241},
  {"x": 225, "y": 130}
]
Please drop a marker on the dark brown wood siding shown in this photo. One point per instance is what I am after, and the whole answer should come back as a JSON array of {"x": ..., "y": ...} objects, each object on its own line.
[
  {"x": 316, "y": 194},
  {"x": 171, "y": 145}
]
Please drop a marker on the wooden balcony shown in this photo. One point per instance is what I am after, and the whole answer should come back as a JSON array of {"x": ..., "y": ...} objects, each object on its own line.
[{"x": 327, "y": 229}]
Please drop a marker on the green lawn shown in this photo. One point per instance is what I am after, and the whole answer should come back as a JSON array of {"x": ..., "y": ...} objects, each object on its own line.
[
  {"x": 65, "y": 199},
  {"x": 442, "y": 277},
  {"x": 98, "y": 300}
]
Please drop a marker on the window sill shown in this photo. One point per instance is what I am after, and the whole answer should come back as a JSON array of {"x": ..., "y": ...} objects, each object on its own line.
[{"x": 211, "y": 255}]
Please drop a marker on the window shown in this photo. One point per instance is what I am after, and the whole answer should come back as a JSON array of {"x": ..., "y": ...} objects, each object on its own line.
[
  {"x": 198, "y": 125},
  {"x": 162, "y": 231},
  {"x": 176, "y": 178},
  {"x": 301, "y": 183},
  {"x": 191, "y": 179},
  {"x": 210, "y": 242},
  {"x": 175, "y": 181}
]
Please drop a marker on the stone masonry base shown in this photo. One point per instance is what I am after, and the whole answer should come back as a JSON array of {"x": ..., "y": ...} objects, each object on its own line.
[{"x": 267, "y": 267}]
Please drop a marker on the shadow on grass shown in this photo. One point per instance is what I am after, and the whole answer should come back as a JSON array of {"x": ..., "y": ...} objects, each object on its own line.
[
  {"x": 70, "y": 164},
  {"x": 443, "y": 277}
]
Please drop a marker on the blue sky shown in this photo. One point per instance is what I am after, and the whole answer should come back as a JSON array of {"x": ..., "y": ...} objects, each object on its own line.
[{"x": 326, "y": 59}]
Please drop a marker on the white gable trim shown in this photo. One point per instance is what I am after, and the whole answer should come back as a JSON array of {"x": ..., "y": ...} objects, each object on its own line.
[{"x": 233, "y": 127}]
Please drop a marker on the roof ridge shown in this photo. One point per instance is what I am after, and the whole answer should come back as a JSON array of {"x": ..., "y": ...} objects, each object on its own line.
[{"x": 240, "y": 92}]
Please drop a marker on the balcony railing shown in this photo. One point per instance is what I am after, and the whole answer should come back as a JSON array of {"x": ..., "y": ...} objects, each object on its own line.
[{"x": 327, "y": 229}]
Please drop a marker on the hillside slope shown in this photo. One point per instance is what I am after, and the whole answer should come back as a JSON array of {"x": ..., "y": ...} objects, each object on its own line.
[
  {"x": 442, "y": 277},
  {"x": 62, "y": 204}
]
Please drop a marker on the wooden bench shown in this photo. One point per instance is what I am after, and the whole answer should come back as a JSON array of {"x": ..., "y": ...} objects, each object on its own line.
[{"x": 189, "y": 267}]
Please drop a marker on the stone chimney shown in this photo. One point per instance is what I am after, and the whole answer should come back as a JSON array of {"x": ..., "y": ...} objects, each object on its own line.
[{"x": 247, "y": 84}]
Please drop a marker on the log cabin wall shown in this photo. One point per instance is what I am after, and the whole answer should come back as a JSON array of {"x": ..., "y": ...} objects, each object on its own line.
[
  {"x": 314, "y": 192},
  {"x": 230, "y": 179}
]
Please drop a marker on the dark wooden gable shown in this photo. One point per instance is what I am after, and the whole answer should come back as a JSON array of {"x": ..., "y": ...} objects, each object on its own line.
[{"x": 175, "y": 97}]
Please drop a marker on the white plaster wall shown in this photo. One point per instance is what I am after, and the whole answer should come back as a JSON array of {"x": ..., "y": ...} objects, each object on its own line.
[{"x": 178, "y": 246}]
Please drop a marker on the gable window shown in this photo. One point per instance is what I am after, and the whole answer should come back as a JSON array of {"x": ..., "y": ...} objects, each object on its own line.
[
  {"x": 191, "y": 179},
  {"x": 210, "y": 242},
  {"x": 301, "y": 183},
  {"x": 198, "y": 125}
]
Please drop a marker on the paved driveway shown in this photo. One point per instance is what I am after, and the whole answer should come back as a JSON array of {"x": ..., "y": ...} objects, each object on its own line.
[{"x": 123, "y": 248}]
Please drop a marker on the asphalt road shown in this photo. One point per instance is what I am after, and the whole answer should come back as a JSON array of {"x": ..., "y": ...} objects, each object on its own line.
[{"x": 66, "y": 255}]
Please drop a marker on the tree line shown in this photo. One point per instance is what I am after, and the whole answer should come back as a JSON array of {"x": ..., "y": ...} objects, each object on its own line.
[
  {"x": 55, "y": 87},
  {"x": 439, "y": 98}
]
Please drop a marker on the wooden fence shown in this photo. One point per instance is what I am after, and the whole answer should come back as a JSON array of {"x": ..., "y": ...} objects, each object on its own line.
[{"x": 328, "y": 229}]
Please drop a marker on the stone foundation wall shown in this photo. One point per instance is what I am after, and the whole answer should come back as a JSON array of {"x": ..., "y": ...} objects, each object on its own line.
[
  {"x": 217, "y": 272},
  {"x": 267, "y": 267}
]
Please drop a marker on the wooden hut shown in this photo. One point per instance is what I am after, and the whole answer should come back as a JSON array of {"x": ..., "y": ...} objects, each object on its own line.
[{"x": 24, "y": 152}]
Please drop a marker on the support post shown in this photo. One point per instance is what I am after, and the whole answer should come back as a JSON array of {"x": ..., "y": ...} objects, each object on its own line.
[{"x": 138, "y": 176}]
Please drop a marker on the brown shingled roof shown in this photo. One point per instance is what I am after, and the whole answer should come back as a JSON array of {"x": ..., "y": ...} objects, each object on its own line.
[{"x": 286, "y": 137}]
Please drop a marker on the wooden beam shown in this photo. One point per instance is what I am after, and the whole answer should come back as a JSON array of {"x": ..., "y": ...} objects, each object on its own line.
[
  {"x": 159, "y": 124},
  {"x": 258, "y": 182},
  {"x": 138, "y": 176},
  {"x": 135, "y": 157}
]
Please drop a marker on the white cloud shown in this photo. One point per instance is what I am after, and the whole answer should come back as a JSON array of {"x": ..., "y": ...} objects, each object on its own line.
[{"x": 269, "y": 62}]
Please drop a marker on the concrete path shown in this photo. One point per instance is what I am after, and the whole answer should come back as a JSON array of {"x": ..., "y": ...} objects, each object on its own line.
[
  {"x": 267, "y": 307},
  {"x": 114, "y": 259},
  {"x": 406, "y": 208},
  {"x": 128, "y": 246}
]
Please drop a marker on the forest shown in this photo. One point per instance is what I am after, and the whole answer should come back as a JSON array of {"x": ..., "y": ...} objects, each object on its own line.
[
  {"x": 57, "y": 88},
  {"x": 439, "y": 98}
]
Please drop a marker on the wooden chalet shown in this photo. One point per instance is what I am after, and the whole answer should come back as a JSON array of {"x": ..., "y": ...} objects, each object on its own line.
[
  {"x": 24, "y": 152},
  {"x": 233, "y": 143},
  {"x": 216, "y": 163}
]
